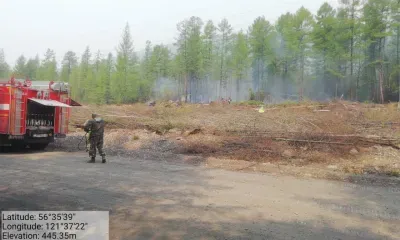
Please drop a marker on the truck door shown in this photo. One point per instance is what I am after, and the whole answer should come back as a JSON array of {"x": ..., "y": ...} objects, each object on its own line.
[
  {"x": 17, "y": 112},
  {"x": 63, "y": 116},
  {"x": 4, "y": 109}
]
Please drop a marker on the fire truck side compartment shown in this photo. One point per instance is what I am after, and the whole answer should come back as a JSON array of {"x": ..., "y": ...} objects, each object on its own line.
[
  {"x": 39, "y": 122},
  {"x": 4, "y": 109},
  {"x": 39, "y": 115}
]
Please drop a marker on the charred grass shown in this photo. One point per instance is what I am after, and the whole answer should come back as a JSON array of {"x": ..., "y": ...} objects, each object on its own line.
[{"x": 334, "y": 135}]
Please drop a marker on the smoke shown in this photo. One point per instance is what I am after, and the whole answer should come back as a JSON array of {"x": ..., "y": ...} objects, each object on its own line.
[
  {"x": 239, "y": 90},
  {"x": 271, "y": 80},
  {"x": 202, "y": 91}
]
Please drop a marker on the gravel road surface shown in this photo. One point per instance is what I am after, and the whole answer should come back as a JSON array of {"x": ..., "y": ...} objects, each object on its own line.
[{"x": 159, "y": 200}]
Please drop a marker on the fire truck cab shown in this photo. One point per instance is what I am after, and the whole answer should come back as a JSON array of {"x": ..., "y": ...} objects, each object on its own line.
[{"x": 33, "y": 113}]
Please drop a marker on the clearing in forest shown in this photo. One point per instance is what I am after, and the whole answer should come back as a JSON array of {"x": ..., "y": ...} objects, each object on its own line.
[{"x": 329, "y": 140}]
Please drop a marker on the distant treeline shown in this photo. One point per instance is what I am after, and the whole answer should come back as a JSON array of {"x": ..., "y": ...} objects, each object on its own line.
[{"x": 350, "y": 52}]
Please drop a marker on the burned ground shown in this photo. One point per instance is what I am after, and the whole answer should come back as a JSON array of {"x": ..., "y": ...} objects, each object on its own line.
[{"x": 335, "y": 139}]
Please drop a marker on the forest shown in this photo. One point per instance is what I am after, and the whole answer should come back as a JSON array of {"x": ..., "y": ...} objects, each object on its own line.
[{"x": 350, "y": 52}]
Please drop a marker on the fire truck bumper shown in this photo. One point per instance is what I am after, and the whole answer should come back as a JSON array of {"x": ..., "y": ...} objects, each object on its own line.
[
  {"x": 9, "y": 140},
  {"x": 39, "y": 136}
]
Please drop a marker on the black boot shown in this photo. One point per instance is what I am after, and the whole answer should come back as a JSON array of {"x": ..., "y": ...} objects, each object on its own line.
[
  {"x": 92, "y": 160},
  {"x": 103, "y": 160}
]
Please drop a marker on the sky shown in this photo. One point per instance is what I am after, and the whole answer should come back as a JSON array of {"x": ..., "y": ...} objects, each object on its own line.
[{"x": 29, "y": 27}]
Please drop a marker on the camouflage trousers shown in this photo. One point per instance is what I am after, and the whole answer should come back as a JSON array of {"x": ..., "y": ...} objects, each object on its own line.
[{"x": 96, "y": 141}]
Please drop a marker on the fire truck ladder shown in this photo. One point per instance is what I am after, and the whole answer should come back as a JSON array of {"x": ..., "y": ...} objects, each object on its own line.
[{"x": 17, "y": 112}]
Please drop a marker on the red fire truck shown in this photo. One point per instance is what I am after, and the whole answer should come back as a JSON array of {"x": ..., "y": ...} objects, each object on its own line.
[{"x": 33, "y": 113}]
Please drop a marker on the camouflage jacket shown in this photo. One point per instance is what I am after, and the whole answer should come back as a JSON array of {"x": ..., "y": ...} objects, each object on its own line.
[{"x": 94, "y": 126}]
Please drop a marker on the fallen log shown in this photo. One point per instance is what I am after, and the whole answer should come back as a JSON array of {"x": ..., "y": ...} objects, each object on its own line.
[
  {"x": 119, "y": 116},
  {"x": 310, "y": 141},
  {"x": 389, "y": 144},
  {"x": 256, "y": 133}
]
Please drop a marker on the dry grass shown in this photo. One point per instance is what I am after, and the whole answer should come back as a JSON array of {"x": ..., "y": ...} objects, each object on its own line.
[{"x": 240, "y": 132}]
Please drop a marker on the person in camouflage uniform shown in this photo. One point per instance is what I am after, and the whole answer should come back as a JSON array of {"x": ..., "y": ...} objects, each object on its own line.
[{"x": 95, "y": 128}]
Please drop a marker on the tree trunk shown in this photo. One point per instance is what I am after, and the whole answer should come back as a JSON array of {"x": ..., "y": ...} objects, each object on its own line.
[
  {"x": 221, "y": 75},
  {"x": 336, "y": 92},
  {"x": 381, "y": 70},
  {"x": 324, "y": 80},
  {"x": 238, "y": 87},
  {"x": 381, "y": 83},
  {"x": 352, "y": 52},
  {"x": 302, "y": 78},
  {"x": 358, "y": 78},
  {"x": 398, "y": 57},
  {"x": 186, "y": 88},
  {"x": 372, "y": 73}
]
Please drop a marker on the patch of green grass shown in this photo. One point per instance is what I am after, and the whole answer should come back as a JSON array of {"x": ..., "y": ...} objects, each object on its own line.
[
  {"x": 251, "y": 103},
  {"x": 287, "y": 103},
  {"x": 394, "y": 173}
]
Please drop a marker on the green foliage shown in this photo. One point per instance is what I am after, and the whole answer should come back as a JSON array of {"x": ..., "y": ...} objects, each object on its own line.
[
  {"x": 70, "y": 61},
  {"x": 351, "y": 51},
  {"x": 240, "y": 60},
  {"x": 225, "y": 45},
  {"x": 287, "y": 103},
  {"x": 32, "y": 67},
  {"x": 190, "y": 53},
  {"x": 4, "y": 67},
  {"x": 256, "y": 96},
  {"x": 48, "y": 68},
  {"x": 260, "y": 38},
  {"x": 127, "y": 76},
  {"x": 20, "y": 68},
  {"x": 252, "y": 95},
  {"x": 252, "y": 103},
  {"x": 208, "y": 47}
]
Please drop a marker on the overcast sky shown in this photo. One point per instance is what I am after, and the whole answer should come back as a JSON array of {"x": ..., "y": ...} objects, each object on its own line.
[{"x": 29, "y": 27}]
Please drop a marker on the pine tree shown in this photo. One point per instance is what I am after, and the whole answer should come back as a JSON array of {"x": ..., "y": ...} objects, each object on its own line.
[
  {"x": 70, "y": 61},
  {"x": 83, "y": 81},
  {"x": 190, "y": 50},
  {"x": 324, "y": 43},
  {"x": 108, "y": 78},
  {"x": 260, "y": 35},
  {"x": 284, "y": 51},
  {"x": 377, "y": 23},
  {"x": 20, "y": 68},
  {"x": 351, "y": 29},
  {"x": 240, "y": 60},
  {"x": 225, "y": 37},
  {"x": 301, "y": 40},
  {"x": 32, "y": 67},
  {"x": 4, "y": 67},
  {"x": 395, "y": 72},
  {"x": 126, "y": 69},
  {"x": 48, "y": 68}
]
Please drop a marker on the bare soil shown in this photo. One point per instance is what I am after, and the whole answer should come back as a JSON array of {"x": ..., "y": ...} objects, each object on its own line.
[{"x": 332, "y": 141}]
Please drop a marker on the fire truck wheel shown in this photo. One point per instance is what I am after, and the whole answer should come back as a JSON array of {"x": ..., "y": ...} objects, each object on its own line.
[{"x": 38, "y": 146}]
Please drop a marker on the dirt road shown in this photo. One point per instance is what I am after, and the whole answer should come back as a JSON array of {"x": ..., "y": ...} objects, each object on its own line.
[{"x": 157, "y": 200}]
